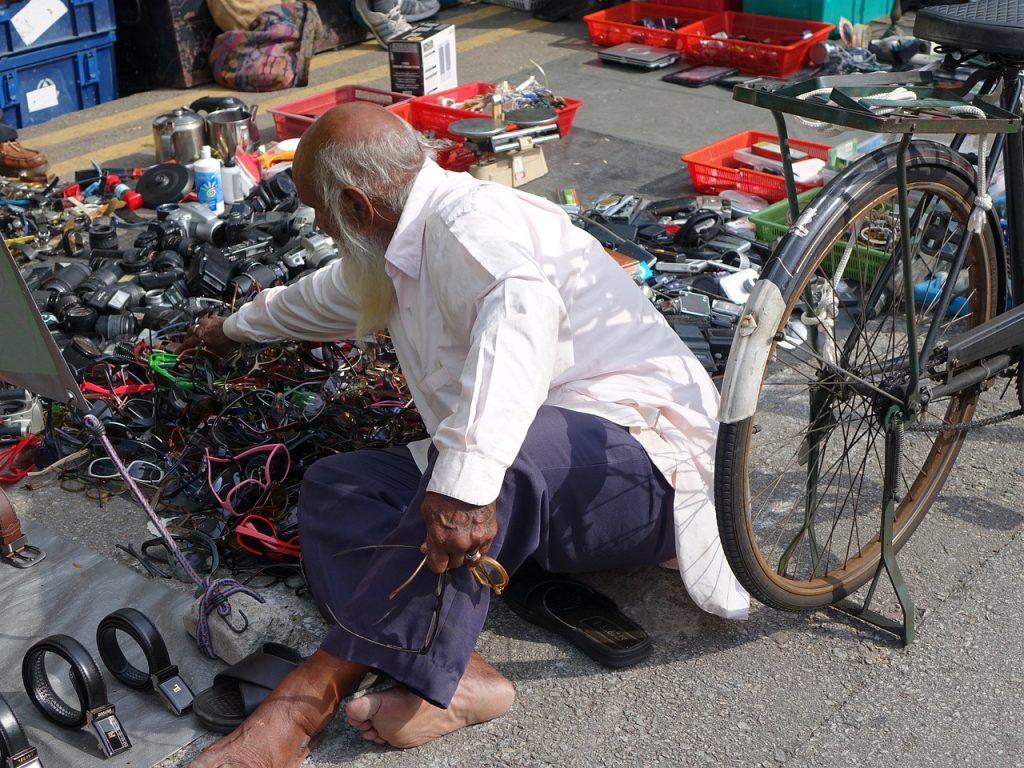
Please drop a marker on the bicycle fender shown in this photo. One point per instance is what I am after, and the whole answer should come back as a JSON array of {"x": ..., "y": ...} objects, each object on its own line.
[{"x": 748, "y": 356}]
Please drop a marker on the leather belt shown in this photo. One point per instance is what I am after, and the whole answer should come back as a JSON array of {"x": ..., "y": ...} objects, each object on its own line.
[
  {"x": 162, "y": 675},
  {"x": 95, "y": 710},
  {"x": 15, "y": 751},
  {"x": 14, "y": 546}
]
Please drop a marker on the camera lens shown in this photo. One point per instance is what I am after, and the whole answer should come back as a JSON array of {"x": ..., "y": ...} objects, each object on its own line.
[
  {"x": 66, "y": 280},
  {"x": 258, "y": 276},
  {"x": 112, "y": 326},
  {"x": 44, "y": 300},
  {"x": 80, "y": 319},
  {"x": 102, "y": 236},
  {"x": 101, "y": 278},
  {"x": 134, "y": 261},
  {"x": 64, "y": 302},
  {"x": 166, "y": 261},
  {"x": 147, "y": 239}
]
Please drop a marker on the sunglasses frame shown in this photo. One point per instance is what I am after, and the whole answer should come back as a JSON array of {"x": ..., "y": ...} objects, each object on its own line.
[{"x": 265, "y": 484}]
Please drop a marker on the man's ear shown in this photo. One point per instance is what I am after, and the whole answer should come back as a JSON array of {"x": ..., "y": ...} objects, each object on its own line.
[{"x": 359, "y": 207}]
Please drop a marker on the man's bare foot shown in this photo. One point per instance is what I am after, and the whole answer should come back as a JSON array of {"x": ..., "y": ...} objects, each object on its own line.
[
  {"x": 269, "y": 738},
  {"x": 281, "y": 731},
  {"x": 402, "y": 719}
]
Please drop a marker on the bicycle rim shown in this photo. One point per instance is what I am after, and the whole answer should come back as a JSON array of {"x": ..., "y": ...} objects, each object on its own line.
[{"x": 800, "y": 484}]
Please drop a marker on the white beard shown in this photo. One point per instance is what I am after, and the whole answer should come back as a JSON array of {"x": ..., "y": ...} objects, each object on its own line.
[{"x": 363, "y": 269}]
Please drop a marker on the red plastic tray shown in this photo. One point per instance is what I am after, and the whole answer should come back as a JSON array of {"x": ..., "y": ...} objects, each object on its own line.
[
  {"x": 762, "y": 45},
  {"x": 292, "y": 119},
  {"x": 713, "y": 170},
  {"x": 619, "y": 24},
  {"x": 430, "y": 113},
  {"x": 454, "y": 158}
]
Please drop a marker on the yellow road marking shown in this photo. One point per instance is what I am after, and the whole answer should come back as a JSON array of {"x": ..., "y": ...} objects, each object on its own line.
[
  {"x": 144, "y": 144},
  {"x": 147, "y": 112}
]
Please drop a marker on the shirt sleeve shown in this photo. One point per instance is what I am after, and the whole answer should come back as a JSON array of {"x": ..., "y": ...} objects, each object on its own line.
[
  {"x": 494, "y": 298},
  {"x": 316, "y": 308}
]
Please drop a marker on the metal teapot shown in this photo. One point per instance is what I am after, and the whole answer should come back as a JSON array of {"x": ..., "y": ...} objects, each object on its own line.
[
  {"x": 230, "y": 124},
  {"x": 179, "y": 135}
]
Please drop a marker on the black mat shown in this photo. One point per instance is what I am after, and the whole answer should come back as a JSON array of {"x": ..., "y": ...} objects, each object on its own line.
[{"x": 69, "y": 593}]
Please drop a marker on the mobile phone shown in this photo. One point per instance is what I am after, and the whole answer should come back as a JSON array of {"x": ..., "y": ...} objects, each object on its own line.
[{"x": 699, "y": 75}]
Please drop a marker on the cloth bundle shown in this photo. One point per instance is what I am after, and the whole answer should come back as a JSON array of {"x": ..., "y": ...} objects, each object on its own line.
[{"x": 273, "y": 53}]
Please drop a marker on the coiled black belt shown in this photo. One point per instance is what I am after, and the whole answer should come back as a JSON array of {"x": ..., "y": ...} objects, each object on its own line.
[
  {"x": 162, "y": 675},
  {"x": 15, "y": 751},
  {"x": 95, "y": 710}
]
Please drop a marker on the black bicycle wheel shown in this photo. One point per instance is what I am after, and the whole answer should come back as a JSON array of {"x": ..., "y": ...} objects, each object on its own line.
[{"x": 799, "y": 485}]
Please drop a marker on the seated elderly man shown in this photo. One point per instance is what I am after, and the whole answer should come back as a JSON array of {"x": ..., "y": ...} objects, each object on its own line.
[{"x": 567, "y": 421}]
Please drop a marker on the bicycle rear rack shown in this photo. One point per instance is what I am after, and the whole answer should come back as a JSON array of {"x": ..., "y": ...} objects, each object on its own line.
[{"x": 848, "y": 103}]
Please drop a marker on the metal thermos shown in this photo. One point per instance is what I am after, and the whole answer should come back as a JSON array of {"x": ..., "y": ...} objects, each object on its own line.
[{"x": 179, "y": 135}]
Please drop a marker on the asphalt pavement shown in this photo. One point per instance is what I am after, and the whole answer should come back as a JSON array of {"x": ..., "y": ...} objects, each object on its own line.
[{"x": 776, "y": 690}]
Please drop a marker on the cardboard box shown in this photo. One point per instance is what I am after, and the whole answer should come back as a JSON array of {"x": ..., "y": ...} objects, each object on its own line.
[
  {"x": 513, "y": 169},
  {"x": 423, "y": 60}
]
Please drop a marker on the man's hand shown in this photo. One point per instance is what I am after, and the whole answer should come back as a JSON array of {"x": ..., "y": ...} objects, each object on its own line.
[
  {"x": 207, "y": 335},
  {"x": 454, "y": 530}
]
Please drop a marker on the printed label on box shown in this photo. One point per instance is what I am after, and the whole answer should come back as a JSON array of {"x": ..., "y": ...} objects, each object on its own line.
[
  {"x": 518, "y": 168},
  {"x": 45, "y": 96},
  {"x": 32, "y": 21}
]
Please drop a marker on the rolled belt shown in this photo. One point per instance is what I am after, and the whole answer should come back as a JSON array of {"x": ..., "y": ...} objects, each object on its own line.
[
  {"x": 14, "y": 546},
  {"x": 94, "y": 709},
  {"x": 161, "y": 675},
  {"x": 15, "y": 750}
]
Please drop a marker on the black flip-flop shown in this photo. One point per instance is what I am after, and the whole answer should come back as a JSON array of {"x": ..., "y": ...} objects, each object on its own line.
[
  {"x": 587, "y": 618},
  {"x": 240, "y": 688}
]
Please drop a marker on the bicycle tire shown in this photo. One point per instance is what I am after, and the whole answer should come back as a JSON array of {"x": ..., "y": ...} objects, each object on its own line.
[{"x": 794, "y": 543}]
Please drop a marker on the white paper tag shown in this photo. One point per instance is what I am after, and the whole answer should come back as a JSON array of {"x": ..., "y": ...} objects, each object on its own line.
[
  {"x": 45, "y": 96},
  {"x": 32, "y": 21}
]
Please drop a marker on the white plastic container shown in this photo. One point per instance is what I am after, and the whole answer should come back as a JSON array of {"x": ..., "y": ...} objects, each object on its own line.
[
  {"x": 230, "y": 181},
  {"x": 208, "y": 182}
]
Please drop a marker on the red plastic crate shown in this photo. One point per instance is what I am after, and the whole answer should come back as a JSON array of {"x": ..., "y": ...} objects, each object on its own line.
[
  {"x": 429, "y": 112},
  {"x": 762, "y": 45},
  {"x": 619, "y": 24},
  {"x": 454, "y": 158},
  {"x": 713, "y": 170},
  {"x": 292, "y": 119}
]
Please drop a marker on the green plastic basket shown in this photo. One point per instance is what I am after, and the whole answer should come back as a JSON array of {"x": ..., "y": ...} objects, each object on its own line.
[{"x": 772, "y": 222}]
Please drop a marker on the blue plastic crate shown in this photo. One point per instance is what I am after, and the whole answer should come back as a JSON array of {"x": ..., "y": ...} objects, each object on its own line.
[
  {"x": 38, "y": 85},
  {"x": 26, "y": 25}
]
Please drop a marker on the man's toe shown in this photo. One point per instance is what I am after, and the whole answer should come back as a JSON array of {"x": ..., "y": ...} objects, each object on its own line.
[{"x": 363, "y": 708}]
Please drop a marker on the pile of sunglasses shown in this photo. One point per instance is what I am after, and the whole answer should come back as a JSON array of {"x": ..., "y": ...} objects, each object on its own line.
[{"x": 221, "y": 445}]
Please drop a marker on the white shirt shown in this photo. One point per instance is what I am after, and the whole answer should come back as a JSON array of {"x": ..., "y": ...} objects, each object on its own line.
[{"x": 503, "y": 305}]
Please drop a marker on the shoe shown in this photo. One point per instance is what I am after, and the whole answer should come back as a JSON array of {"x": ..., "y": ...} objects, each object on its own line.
[
  {"x": 418, "y": 10},
  {"x": 16, "y": 159},
  {"x": 240, "y": 688},
  {"x": 384, "y": 19},
  {"x": 588, "y": 619}
]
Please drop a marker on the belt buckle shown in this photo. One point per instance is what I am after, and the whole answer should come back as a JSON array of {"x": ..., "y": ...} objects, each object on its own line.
[
  {"x": 107, "y": 728},
  {"x": 27, "y": 758},
  {"x": 21, "y": 554},
  {"x": 175, "y": 693}
]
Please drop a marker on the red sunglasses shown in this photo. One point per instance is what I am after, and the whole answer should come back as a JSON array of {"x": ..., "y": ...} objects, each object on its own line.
[
  {"x": 258, "y": 536},
  {"x": 248, "y": 493}
]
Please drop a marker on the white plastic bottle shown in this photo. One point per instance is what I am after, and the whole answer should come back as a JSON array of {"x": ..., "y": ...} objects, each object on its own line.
[{"x": 208, "y": 183}]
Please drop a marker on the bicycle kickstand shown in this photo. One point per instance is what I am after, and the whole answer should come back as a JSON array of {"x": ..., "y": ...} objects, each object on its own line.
[{"x": 906, "y": 631}]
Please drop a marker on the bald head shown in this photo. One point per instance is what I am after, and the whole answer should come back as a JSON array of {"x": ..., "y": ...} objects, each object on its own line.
[{"x": 356, "y": 123}]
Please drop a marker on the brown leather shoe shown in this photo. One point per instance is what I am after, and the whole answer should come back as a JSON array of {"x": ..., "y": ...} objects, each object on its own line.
[{"x": 16, "y": 159}]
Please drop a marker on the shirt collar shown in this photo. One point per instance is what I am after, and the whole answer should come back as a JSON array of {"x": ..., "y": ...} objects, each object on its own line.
[{"x": 405, "y": 251}]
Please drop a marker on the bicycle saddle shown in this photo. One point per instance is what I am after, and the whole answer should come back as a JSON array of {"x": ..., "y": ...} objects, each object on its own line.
[{"x": 989, "y": 26}]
